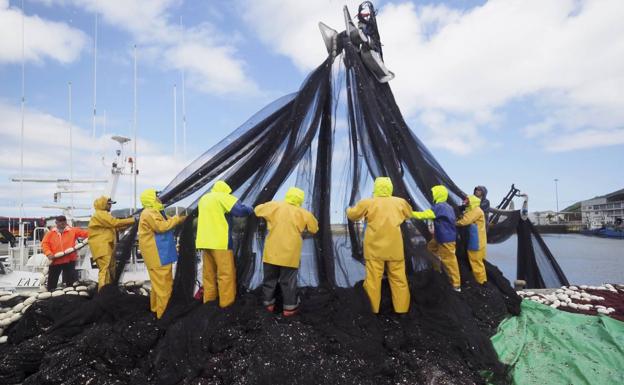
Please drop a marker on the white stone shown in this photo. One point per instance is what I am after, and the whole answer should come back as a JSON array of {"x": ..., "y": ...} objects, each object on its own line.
[
  {"x": 17, "y": 308},
  {"x": 83, "y": 293},
  {"x": 4, "y": 339},
  {"x": 81, "y": 288},
  {"x": 16, "y": 317},
  {"x": 603, "y": 311},
  {"x": 25, "y": 308},
  {"x": 44, "y": 295},
  {"x": 73, "y": 292},
  {"x": 58, "y": 293}
]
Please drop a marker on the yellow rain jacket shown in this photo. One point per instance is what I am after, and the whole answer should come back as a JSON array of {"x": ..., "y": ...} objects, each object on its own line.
[
  {"x": 383, "y": 244},
  {"x": 477, "y": 237},
  {"x": 212, "y": 226},
  {"x": 152, "y": 223},
  {"x": 384, "y": 215},
  {"x": 286, "y": 221},
  {"x": 103, "y": 229}
]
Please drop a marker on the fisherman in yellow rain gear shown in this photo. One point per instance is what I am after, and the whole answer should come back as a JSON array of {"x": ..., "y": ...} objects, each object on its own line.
[
  {"x": 477, "y": 237},
  {"x": 286, "y": 222},
  {"x": 158, "y": 247},
  {"x": 103, "y": 229},
  {"x": 383, "y": 243},
  {"x": 445, "y": 233},
  {"x": 214, "y": 238}
]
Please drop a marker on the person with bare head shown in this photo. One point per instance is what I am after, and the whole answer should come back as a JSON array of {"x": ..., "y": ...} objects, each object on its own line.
[{"x": 54, "y": 244}]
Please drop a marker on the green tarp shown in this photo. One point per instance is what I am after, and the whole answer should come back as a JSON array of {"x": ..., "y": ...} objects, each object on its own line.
[{"x": 548, "y": 346}]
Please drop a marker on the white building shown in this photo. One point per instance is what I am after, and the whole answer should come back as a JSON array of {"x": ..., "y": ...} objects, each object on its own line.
[{"x": 604, "y": 210}]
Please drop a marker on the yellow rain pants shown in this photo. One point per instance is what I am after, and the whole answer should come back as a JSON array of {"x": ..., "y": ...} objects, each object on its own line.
[
  {"x": 219, "y": 276},
  {"x": 396, "y": 278},
  {"x": 162, "y": 283},
  {"x": 106, "y": 267},
  {"x": 446, "y": 253},
  {"x": 478, "y": 267}
]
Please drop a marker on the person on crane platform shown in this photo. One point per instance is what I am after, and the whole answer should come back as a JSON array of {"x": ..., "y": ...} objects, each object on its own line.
[
  {"x": 383, "y": 243},
  {"x": 445, "y": 233},
  {"x": 286, "y": 221},
  {"x": 474, "y": 218},
  {"x": 103, "y": 229},
  {"x": 158, "y": 248},
  {"x": 55, "y": 242},
  {"x": 214, "y": 238}
]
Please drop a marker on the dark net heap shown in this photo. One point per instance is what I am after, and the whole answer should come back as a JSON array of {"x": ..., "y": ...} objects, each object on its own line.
[{"x": 331, "y": 139}]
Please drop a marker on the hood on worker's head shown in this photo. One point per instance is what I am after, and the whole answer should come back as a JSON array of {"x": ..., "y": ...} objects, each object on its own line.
[
  {"x": 473, "y": 202},
  {"x": 149, "y": 200},
  {"x": 484, "y": 190},
  {"x": 383, "y": 187},
  {"x": 295, "y": 196},
  {"x": 101, "y": 203},
  {"x": 222, "y": 187},
  {"x": 439, "y": 193}
]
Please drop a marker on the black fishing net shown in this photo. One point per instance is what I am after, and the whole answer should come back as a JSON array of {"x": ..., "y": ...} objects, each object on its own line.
[{"x": 331, "y": 139}]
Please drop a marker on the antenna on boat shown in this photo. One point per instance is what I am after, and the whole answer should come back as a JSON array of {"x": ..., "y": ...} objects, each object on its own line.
[
  {"x": 135, "y": 171},
  {"x": 21, "y": 208},
  {"x": 175, "y": 122},
  {"x": 183, "y": 106},
  {"x": 71, "y": 143}
]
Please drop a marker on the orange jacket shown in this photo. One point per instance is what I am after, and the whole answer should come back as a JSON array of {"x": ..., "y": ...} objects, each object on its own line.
[{"x": 54, "y": 242}]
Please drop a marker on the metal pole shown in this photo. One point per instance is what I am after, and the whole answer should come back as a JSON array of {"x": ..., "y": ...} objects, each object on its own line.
[
  {"x": 21, "y": 208},
  {"x": 134, "y": 175},
  {"x": 71, "y": 146},
  {"x": 557, "y": 198},
  {"x": 175, "y": 123},
  {"x": 183, "y": 106}
]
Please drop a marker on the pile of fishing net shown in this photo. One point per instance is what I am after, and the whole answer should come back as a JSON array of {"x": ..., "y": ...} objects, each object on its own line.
[{"x": 113, "y": 338}]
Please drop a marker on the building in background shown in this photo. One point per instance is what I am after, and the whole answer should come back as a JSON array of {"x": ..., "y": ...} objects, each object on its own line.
[{"x": 606, "y": 210}]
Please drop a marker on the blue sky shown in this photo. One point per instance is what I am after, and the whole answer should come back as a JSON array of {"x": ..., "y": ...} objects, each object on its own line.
[{"x": 502, "y": 91}]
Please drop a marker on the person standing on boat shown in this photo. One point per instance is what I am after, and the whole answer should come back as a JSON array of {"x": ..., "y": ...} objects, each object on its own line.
[
  {"x": 481, "y": 193},
  {"x": 442, "y": 244},
  {"x": 286, "y": 222},
  {"x": 477, "y": 237},
  {"x": 214, "y": 238},
  {"x": 57, "y": 240},
  {"x": 103, "y": 229},
  {"x": 158, "y": 248},
  {"x": 383, "y": 243}
]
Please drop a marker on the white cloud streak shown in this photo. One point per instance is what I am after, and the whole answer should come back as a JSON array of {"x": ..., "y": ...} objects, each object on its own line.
[
  {"x": 211, "y": 60},
  {"x": 43, "y": 39}
]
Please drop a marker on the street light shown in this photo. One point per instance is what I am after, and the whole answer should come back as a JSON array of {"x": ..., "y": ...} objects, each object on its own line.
[{"x": 557, "y": 198}]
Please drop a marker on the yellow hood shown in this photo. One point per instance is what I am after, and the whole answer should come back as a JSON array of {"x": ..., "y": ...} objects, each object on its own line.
[
  {"x": 150, "y": 201},
  {"x": 222, "y": 187},
  {"x": 440, "y": 194},
  {"x": 473, "y": 202},
  {"x": 295, "y": 196},
  {"x": 383, "y": 187},
  {"x": 101, "y": 203}
]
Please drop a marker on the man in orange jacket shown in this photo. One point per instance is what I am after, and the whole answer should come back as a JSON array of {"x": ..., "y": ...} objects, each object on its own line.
[{"x": 57, "y": 240}]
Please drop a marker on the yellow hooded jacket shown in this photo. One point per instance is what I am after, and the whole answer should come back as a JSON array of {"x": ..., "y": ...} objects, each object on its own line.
[
  {"x": 212, "y": 226},
  {"x": 473, "y": 215},
  {"x": 384, "y": 215},
  {"x": 103, "y": 229},
  {"x": 286, "y": 221},
  {"x": 152, "y": 223}
]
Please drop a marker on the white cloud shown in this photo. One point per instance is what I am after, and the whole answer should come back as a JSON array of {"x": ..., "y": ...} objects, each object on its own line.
[
  {"x": 566, "y": 57},
  {"x": 209, "y": 58},
  {"x": 43, "y": 39},
  {"x": 46, "y": 156}
]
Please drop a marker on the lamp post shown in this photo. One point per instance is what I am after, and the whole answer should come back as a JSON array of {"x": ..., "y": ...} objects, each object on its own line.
[{"x": 557, "y": 199}]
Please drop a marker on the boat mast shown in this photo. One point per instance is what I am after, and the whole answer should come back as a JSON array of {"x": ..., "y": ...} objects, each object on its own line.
[
  {"x": 71, "y": 145},
  {"x": 134, "y": 124},
  {"x": 21, "y": 208},
  {"x": 175, "y": 123},
  {"x": 183, "y": 105}
]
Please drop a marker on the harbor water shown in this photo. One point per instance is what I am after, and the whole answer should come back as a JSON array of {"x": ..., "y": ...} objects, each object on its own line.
[{"x": 584, "y": 259}]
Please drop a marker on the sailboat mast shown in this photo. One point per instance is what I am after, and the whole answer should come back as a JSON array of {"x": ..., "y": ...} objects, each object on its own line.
[
  {"x": 21, "y": 208},
  {"x": 71, "y": 145},
  {"x": 134, "y": 123}
]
